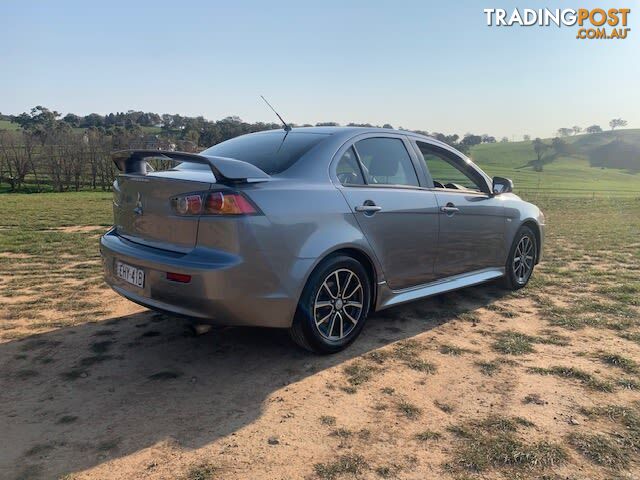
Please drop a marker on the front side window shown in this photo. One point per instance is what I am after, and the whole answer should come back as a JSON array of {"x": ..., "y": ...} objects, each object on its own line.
[
  {"x": 348, "y": 171},
  {"x": 446, "y": 174},
  {"x": 386, "y": 161}
]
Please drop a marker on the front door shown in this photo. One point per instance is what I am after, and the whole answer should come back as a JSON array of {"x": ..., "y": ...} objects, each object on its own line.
[
  {"x": 398, "y": 217},
  {"x": 472, "y": 221}
]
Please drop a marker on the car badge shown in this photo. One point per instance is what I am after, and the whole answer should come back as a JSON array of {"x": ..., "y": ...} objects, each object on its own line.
[{"x": 138, "y": 210}]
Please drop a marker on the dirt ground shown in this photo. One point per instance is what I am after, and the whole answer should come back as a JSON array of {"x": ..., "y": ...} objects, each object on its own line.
[{"x": 479, "y": 383}]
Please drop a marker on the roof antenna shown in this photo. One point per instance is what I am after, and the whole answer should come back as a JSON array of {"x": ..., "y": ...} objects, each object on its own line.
[{"x": 287, "y": 127}]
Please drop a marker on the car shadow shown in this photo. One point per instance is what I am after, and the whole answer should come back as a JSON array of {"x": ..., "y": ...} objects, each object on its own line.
[{"x": 76, "y": 397}]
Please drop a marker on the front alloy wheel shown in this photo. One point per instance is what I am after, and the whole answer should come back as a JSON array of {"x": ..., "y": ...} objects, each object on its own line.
[
  {"x": 522, "y": 259},
  {"x": 522, "y": 264}
]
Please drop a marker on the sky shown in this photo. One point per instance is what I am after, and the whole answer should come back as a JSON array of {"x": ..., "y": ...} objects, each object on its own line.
[{"x": 427, "y": 65}]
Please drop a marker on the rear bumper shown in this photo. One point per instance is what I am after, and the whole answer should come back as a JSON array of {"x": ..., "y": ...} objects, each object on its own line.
[{"x": 224, "y": 289}]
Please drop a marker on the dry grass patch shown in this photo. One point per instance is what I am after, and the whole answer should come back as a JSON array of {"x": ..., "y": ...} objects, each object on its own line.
[
  {"x": 447, "y": 349},
  {"x": 574, "y": 373},
  {"x": 358, "y": 372},
  {"x": 348, "y": 464},
  {"x": 409, "y": 410},
  {"x": 513, "y": 343},
  {"x": 497, "y": 443},
  {"x": 202, "y": 471},
  {"x": 427, "y": 435},
  {"x": 600, "y": 449},
  {"x": 488, "y": 368},
  {"x": 620, "y": 361}
]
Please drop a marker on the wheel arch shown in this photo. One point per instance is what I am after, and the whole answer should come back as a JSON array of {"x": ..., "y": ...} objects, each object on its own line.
[
  {"x": 361, "y": 256},
  {"x": 535, "y": 228}
]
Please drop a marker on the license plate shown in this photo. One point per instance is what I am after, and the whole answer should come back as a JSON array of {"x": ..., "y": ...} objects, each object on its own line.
[{"x": 132, "y": 275}]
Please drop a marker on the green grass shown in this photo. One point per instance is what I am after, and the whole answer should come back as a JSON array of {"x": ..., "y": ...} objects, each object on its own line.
[
  {"x": 41, "y": 251},
  {"x": 7, "y": 125},
  {"x": 570, "y": 176}
]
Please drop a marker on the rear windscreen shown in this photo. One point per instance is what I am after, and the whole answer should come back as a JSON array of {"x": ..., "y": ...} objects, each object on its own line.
[{"x": 272, "y": 152}]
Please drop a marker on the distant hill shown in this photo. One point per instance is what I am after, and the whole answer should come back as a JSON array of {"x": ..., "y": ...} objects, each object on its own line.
[
  {"x": 616, "y": 154},
  {"x": 600, "y": 163},
  {"x": 7, "y": 125}
]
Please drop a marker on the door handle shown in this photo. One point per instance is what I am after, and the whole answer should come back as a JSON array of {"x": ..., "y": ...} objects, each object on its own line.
[
  {"x": 449, "y": 209},
  {"x": 368, "y": 208}
]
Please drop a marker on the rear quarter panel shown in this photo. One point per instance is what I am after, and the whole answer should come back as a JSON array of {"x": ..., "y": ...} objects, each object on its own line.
[{"x": 307, "y": 222}]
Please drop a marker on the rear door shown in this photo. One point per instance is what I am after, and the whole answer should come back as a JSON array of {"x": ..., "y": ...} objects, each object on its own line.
[
  {"x": 472, "y": 221},
  {"x": 378, "y": 178}
]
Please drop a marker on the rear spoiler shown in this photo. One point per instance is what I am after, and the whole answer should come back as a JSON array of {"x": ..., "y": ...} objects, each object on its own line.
[{"x": 226, "y": 170}]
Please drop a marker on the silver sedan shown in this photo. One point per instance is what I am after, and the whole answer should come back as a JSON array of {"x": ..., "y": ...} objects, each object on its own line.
[{"x": 311, "y": 229}]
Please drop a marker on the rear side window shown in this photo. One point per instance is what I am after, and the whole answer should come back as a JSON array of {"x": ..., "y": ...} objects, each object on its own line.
[
  {"x": 271, "y": 152},
  {"x": 386, "y": 162},
  {"x": 348, "y": 170}
]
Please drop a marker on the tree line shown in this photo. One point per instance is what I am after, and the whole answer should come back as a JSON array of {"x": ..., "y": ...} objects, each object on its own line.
[
  {"x": 615, "y": 154},
  {"x": 576, "y": 129},
  {"x": 49, "y": 151}
]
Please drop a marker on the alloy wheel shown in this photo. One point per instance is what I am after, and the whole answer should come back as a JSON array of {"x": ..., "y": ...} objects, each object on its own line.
[
  {"x": 337, "y": 308},
  {"x": 523, "y": 260}
]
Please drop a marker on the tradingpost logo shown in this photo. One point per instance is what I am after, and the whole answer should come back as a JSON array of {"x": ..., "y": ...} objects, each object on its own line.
[{"x": 595, "y": 23}]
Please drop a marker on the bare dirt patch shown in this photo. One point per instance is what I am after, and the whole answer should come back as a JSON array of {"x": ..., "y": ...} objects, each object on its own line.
[{"x": 82, "y": 229}]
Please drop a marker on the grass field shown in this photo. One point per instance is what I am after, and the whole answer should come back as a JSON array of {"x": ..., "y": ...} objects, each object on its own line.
[
  {"x": 7, "y": 125},
  {"x": 475, "y": 384},
  {"x": 569, "y": 176}
]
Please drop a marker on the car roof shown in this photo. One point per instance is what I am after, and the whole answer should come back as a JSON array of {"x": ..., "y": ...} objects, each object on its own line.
[
  {"x": 330, "y": 130},
  {"x": 338, "y": 129},
  {"x": 348, "y": 132}
]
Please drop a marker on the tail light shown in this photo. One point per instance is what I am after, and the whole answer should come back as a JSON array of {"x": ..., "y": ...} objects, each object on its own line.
[{"x": 213, "y": 203}]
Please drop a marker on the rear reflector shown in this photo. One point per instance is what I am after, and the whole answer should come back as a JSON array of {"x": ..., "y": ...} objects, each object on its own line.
[{"x": 178, "y": 277}]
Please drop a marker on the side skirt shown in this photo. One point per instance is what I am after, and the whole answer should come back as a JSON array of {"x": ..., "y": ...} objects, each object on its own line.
[{"x": 388, "y": 298}]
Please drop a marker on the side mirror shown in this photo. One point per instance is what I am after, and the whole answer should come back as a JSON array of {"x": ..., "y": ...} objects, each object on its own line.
[{"x": 501, "y": 185}]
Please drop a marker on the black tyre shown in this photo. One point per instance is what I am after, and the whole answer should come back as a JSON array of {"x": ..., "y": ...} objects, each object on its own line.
[
  {"x": 333, "y": 307},
  {"x": 522, "y": 259}
]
